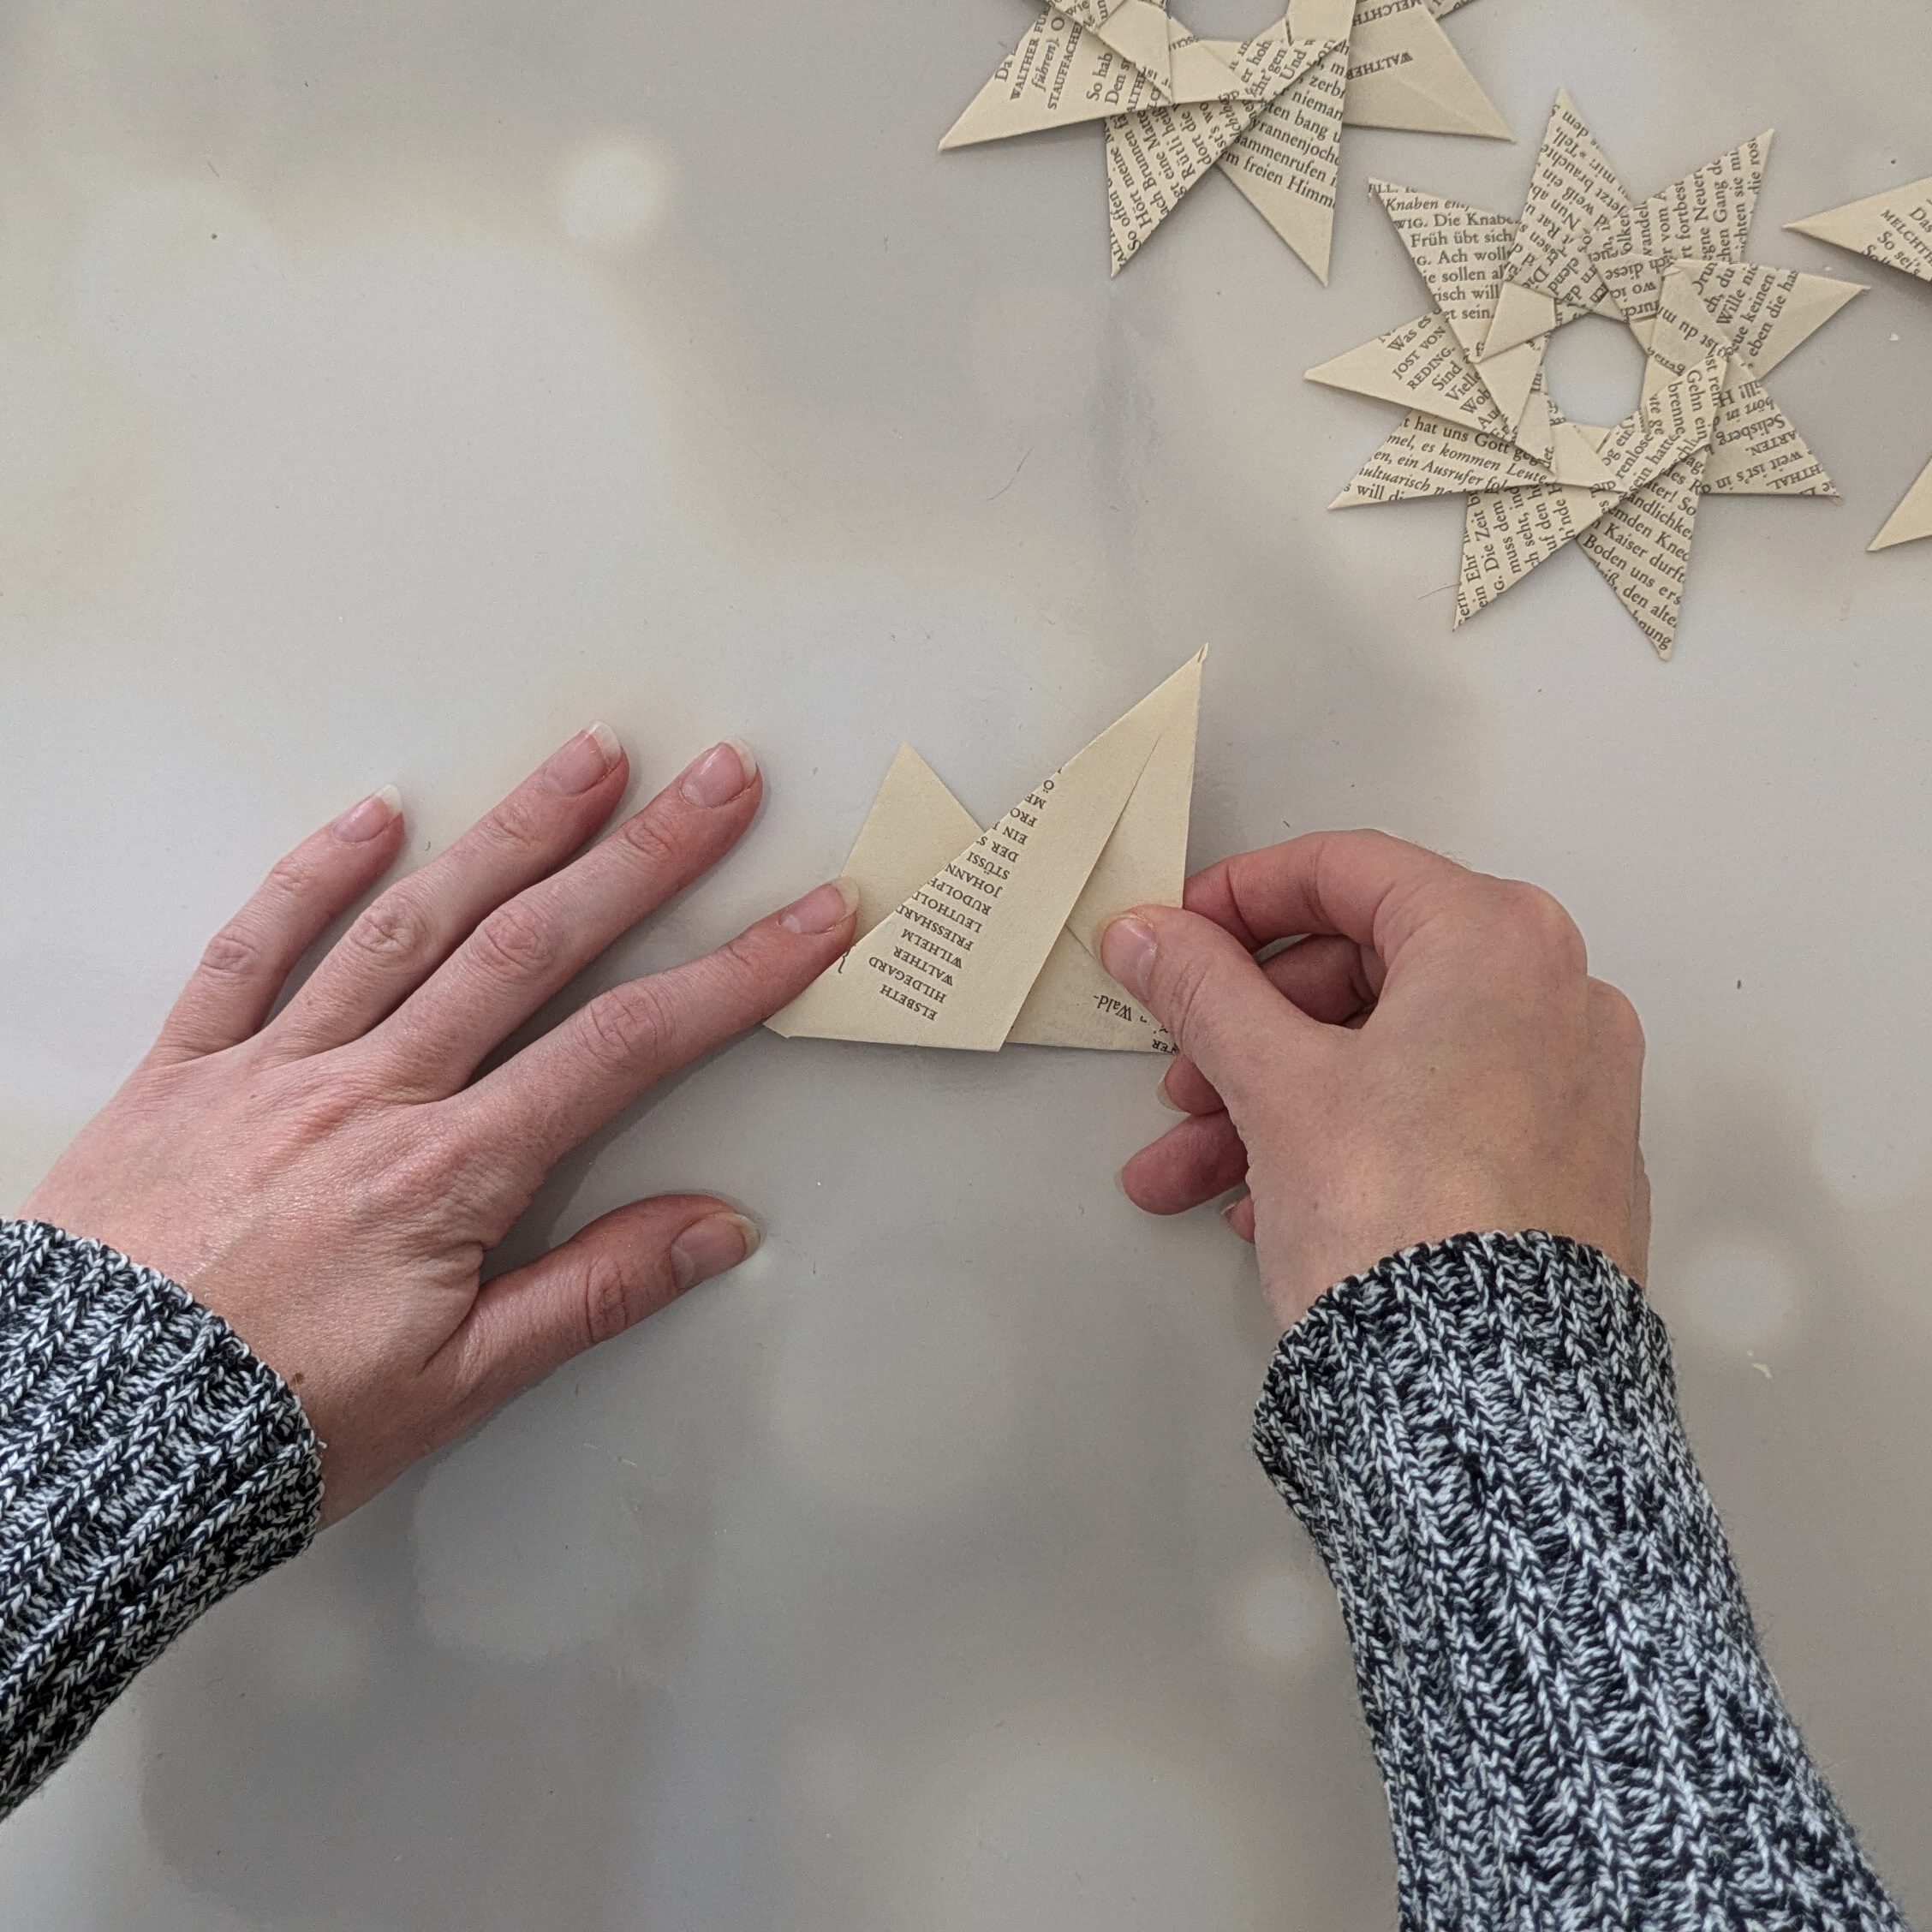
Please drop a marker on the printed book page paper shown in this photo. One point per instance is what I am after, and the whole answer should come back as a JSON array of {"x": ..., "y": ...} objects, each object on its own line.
[
  {"x": 1706, "y": 216},
  {"x": 1744, "y": 309},
  {"x": 1642, "y": 548},
  {"x": 1404, "y": 72},
  {"x": 1288, "y": 162},
  {"x": 1893, "y": 227},
  {"x": 1766, "y": 313},
  {"x": 1757, "y": 450},
  {"x": 1059, "y": 76},
  {"x": 1270, "y": 109},
  {"x": 1153, "y": 157},
  {"x": 1137, "y": 30},
  {"x": 1912, "y": 519},
  {"x": 1573, "y": 191},
  {"x": 915, "y": 827},
  {"x": 1482, "y": 422},
  {"x": 1427, "y": 458},
  {"x": 1075, "y": 1002},
  {"x": 1506, "y": 534},
  {"x": 957, "y": 959},
  {"x": 1420, "y": 366},
  {"x": 1460, "y": 253}
]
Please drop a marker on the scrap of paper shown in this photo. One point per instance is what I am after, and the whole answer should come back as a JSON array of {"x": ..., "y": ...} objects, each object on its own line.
[
  {"x": 1895, "y": 227},
  {"x": 1267, "y": 113},
  {"x": 1482, "y": 422},
  {"x": 971, "y": 939}
]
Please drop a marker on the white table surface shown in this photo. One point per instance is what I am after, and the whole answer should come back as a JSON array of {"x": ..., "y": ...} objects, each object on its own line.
[{"x": 389, "y": 389}]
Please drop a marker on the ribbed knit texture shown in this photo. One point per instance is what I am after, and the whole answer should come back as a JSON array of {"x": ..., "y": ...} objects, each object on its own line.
[
  {"x": 1559, "y": 1670},
  {"x": 149, "y": 1464}
]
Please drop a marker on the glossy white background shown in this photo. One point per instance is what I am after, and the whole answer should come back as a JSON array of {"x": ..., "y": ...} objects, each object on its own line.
[{"x": 386, "y": 390}]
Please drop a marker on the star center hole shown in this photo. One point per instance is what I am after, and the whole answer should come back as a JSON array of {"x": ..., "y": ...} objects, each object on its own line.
[
  {"x": 1226, "y": 20},
  {"x": 1595, "y": 370}
]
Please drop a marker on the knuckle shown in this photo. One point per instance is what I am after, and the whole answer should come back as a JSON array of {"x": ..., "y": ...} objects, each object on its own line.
[
  {"x": 652, "y": 841},
  {"x": 394, "y": 930},
  {"x": 605, "y": 1291},
  {"x": 233, "y": 953},
  {"x": 1540, "y": 919},
  {"x": 514, "y": 942},
  {"x": 1619, "y": 1018},
  {"x": 290, "y": 877},
  {"x": 513, "y": 829},
  {"x": 628, "y": 1025}
]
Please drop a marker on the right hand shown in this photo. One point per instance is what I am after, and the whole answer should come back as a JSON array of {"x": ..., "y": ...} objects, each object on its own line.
[{"x": 1433, "y": 1059}]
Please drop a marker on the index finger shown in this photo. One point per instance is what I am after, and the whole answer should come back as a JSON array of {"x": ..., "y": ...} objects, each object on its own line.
[
  {"x": 1364, "y": 885},
  {"x": 560, "y": 1090}
]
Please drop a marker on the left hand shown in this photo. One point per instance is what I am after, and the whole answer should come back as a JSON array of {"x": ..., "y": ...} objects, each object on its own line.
[{"x": 330, "y": 1180}]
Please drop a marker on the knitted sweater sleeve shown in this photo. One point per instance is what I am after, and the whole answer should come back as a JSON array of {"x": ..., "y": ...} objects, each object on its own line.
[
  {"x": 149, "y": 1464},
  {"x": 1554, "y": 1653}
]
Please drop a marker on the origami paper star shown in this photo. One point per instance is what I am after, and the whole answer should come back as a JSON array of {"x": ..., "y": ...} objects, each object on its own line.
[
  {"x": 1895, "y": 227},
  {"x": 1267, "y": 112},
  {"x": 1482, "y": 419}
]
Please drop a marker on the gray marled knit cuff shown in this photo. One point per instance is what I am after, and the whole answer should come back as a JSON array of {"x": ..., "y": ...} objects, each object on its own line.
[
  {"x": 149, "y": 1464},
  {"x": 1554, "y": 1653}
]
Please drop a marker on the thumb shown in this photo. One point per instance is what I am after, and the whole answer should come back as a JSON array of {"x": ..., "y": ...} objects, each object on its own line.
[
  {"x": 1205, "y": 987},
  {"x": 607, "y": 1277}
]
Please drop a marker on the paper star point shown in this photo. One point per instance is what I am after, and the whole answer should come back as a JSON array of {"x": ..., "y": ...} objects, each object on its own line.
[
  {"x": 1267, "y": 113},
  {"x": 1893, "y": 227}
]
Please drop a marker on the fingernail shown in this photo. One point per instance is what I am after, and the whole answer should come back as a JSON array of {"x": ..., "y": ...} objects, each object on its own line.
[
  {"x": 822, "y": 907},
  {"x": 362, "y": 823},
  {"x": 721, "y": 774},
  {"x": 712, "y": 1246},
  {"x": 1166, "y": 1099},
  {"x": 1127, "y": 952},
  {"x": 583, "y": 762}
]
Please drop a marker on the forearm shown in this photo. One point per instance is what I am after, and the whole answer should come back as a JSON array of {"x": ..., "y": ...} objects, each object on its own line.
[
  {"x": 149, "y": 1464},
  {"x": 1554, "y": 1656}
]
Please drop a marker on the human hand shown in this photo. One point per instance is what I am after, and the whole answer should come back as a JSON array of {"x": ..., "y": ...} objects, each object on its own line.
[
  {"x": 1433, "y": 1059},
  {"x": 329, "y": 1181}
]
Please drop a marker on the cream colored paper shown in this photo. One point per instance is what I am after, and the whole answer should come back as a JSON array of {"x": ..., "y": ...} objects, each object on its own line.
[
  {"x": 1267, "y": 112},
  {"x": 1420, "y": 366},
  {"x": 1154, "y": 156},
  {"x": 1893, "y": 227},
  {"x": 1573, "y": 190},
  {"x": 1427, "y": 458},
  {"x": 1642, "y": 548},
  {"x": 1404, "y": 72},
  {"x": 1508, "y": 533},
  {"x": 1912, "y": 519},
  {"x": 993, "y": 935},
  {"x": 1481, "y": 423}
]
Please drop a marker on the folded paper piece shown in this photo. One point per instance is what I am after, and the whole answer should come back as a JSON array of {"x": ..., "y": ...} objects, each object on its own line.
[
  {"x": 1482, "y": 422},
  {"x": 971, "y": 939},
  {"x": 1267, "y": 112},
  {"x": 1895, "y": 227}
]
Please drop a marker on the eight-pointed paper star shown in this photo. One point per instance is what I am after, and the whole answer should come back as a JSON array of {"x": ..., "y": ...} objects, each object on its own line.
[
  {"x": 1268, "y": 112},
  {"x": 1895, "y": 227},
  {"x": 1484, "y": 414}
]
